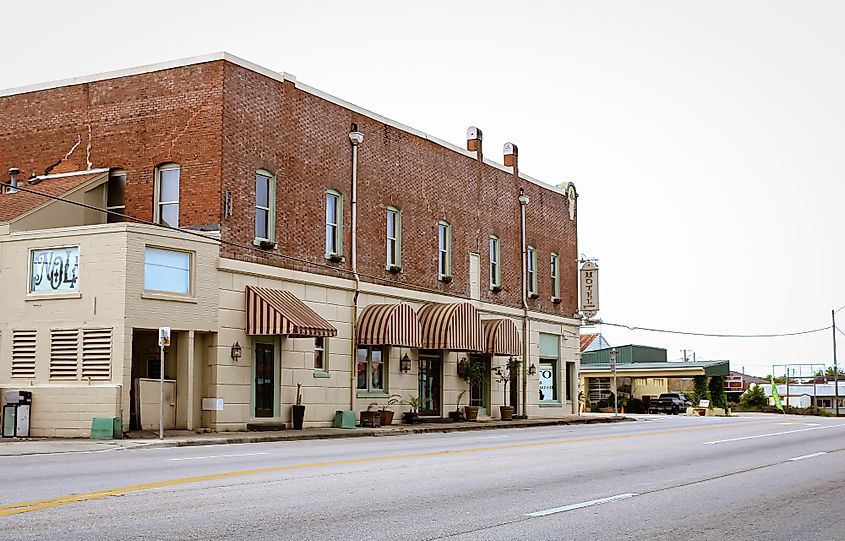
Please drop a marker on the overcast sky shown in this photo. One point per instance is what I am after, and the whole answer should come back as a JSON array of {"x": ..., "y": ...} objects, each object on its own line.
[{"x": 705, "y": 138}]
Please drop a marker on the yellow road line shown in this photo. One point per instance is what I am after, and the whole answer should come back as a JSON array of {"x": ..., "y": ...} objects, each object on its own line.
[{"x": 26, "y": 507}]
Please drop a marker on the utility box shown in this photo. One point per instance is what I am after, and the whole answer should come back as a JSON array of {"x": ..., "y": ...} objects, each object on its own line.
[
  {"x": 16, "y": 411},
  {"x": 344, "y": 419},
  {"x": 106, "y": 428}
]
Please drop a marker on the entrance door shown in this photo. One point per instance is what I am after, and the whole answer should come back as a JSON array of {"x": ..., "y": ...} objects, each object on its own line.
[
  {"x": 265, "y": 384},
  {"x": 429, "y": 385},
  {"x": 479, "y": 391}
]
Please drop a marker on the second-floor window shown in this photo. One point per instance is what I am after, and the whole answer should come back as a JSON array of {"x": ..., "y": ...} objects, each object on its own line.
[
  {"x": 531, "y": 271},
  {"x": 555, "y": 268},
  {"x": 167, "y": 195},
  {"x": 495, "y": 270},
  {"x": 264, "y": 206},
  {"x": 444, "y": 250},
  {"x": 334, "y": 225},
  {"x": 394, "y": 238}
]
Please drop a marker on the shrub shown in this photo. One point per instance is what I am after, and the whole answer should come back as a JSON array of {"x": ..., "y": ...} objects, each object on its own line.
[
  {"x": 754, "y": 397},
  {"x": 635, "y": 405},
  {"x": 700, "y": 391},
  {"x": 717, "y": 392}
]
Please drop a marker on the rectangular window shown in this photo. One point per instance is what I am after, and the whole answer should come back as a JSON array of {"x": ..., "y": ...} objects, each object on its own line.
[
  {"x": 555, "y": 268},
  {"x": 370, "y": 362},
  {"x": 167, "y": 270},
  {"x": 54, "y": 271},
  {"x": 265, "y": 191},
  {"x": 444, "y": 251},
  {"x": 167, "y": 190},
  {"x": 531, "y": 271},
  {"x": 394, "y": 238},
  {"x": 548, "y": 375},
  {"x": 495, "y": 272},
  {"x": 319, "y": 353},
  {"x": 334, "y": 225},
  {"x": 116, "y": 195}
]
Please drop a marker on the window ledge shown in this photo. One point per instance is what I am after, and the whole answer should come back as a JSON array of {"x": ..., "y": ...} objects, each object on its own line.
[
  {"x": 446, "y": 279},
  {"x": 168, "y": 297},
  {"x": 394, "y": 269},
  {"x": 495, "y": 288},
  {"x": 337, "y": 258},
  {"x": 264, "y": 243},
  {"x": 551, "y": 404},
  {"x": 533, "y": 295},
  {"x": 368, "y": 394},
  {"x": 322, "y": 374},
  {"x": 52, "y": 296},
  {"x": 555, "y": 300}
]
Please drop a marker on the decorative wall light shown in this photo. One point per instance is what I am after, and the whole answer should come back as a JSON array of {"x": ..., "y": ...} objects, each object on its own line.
[
  {"x": 237, "y": 351},
  {"x": 463, "y": 366},
  {"x": 532, "y": 370},
  {"x": 405, "y": 364}
]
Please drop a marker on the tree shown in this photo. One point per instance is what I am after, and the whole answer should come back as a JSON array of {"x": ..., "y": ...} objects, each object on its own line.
[
  {"x": 700, "y": 391},
  {"x": 755, "y": 396},
  {"x": 717, "y": 392}
]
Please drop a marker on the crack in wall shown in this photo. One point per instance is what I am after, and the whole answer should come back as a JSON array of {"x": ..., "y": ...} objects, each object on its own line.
[
  {"x": 69, "y": 152},
  {"x": 174, "y": 136},
  {"x": 88, "y": 149}
]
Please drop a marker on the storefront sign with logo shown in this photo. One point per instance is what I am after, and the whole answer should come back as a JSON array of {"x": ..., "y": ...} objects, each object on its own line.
[
  {"x": 55, "y": 270},
  {"x": 547, "y": 383}
]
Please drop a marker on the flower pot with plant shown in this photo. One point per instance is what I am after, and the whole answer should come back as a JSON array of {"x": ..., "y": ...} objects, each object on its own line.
[
  {"x": 371, "y": 417},
  {"x": 474, "y": 375},
  {"x": 457, "y": 415},
  {"x": 504, "y": 374},
  {"x": 298, "y": 409},
  {"x": 385, "y": 414},
  {"x": 412, "y": 416}
]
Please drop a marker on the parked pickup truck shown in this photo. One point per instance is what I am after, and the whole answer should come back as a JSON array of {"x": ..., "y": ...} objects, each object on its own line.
[{"x": 670, "y": 403}]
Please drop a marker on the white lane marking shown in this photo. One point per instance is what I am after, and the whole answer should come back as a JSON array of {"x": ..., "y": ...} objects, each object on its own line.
[
  {"x": 494, "y": 437},
  {"x": 797, "y": 458},
  {"x": 216, "y": 456},
  {"x": 772, "y": 434},
  {"x": 582, "y": 504}
]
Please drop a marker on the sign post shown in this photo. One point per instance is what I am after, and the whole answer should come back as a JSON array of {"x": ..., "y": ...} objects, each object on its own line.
[
  {"x": 163, "y": 342},
  {"x": 613, "y": 353}
]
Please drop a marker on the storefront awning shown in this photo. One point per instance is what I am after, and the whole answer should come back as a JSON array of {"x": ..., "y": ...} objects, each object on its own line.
[
  {"x": 271, "y": 311},
  {"x": 389, "y": 325},
  {"x": 456, "y": 327},
  {"x": 501, "y": 337}
]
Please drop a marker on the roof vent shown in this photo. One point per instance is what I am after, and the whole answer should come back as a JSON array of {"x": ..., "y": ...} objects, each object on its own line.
[{"x": 13, "y": 180}]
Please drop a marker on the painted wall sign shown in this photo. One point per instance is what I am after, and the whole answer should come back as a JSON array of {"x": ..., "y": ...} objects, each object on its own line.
[
  {"x": 547, "y": 383},
  {"x": 589, "y": 289},
  {"x": 54, "y": 271}
]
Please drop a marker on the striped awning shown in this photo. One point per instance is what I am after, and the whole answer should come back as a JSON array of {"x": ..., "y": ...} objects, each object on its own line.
[
  {"x": 271, "y": 312},
  {"x": 389, "y": 325},
  {"x": 501, "y": 337},
  {"x": 456, "y": 327}
]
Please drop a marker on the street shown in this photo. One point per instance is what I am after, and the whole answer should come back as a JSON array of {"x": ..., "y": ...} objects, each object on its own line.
[{"x": 664, "y": 477}]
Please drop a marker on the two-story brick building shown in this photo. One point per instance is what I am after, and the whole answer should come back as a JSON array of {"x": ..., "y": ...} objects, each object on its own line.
[{"x": 287, "y": 237}]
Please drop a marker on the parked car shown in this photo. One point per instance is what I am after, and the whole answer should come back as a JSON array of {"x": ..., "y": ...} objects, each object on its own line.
[{"x": 669, "y": 403}]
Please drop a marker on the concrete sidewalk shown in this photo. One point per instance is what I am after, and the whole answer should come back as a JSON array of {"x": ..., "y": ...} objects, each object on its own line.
[{"x": 184, "y": 438}]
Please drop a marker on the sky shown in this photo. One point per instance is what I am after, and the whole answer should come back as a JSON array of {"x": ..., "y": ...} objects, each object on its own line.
[{"x": 705, "y": 138}]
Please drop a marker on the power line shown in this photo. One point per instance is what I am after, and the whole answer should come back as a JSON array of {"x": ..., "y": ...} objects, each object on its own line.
[{"x": 716, "y": 335}]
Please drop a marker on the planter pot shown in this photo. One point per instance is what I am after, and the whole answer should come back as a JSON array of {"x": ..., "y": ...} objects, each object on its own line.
[
  {"x": 456, "y": 416},
  {"x": 506, "y": 412},
  {"x": 471, "y": 413},
  {"x": 298, "y": 416},
  {"x": 410, "y": 417},
  {"x": 386, "y": 417},
  {"x": 371, "y": 419}
]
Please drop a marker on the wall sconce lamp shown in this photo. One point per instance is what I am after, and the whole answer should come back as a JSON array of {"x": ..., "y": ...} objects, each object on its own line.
[
  {"x": 237, "y": 351},
  {"x": 405, "y": 364},
  {"x": 532, "y": 370},
  {"x": 463, "y": 367}
]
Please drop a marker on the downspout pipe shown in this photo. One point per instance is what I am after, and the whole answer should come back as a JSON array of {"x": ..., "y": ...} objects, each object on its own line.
[
  {"x": 523, "y": 202},
  {"x": 356, "y": 138}
]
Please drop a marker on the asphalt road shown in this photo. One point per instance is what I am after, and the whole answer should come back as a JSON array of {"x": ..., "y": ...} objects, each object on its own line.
[{"x": 678, "y": 478}]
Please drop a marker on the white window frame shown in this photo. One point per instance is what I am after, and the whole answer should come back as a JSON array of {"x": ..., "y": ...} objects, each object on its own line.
[
  {"x": 369, "y": 389},
  {"x": 321, "y": 345},
  {"x": 444, "y": 251},
  {"x": 158, "y": 202},
  {"x": 531, "y": 271},
  {"x": 554, "y": 263},
  {"x": 396, "y": 240},
  {"x": 170, "y": 294},
  {"x": 271, "y": 208},
  {"x": 337, "y": 225},
  {"x": 495, "y": 266}
]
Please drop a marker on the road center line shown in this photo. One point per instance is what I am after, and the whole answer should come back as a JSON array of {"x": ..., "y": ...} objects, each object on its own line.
[
  {"x": 216, "y": 456},
  {"x": 797, "y": 458},
  {"x": 772, "y": 434},
  {"x": 581, "y": 505}
]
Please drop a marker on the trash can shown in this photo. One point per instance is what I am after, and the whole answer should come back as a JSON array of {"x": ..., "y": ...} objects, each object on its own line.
[
  {"x": 344, "y": 419},
  {"x": 16, "y": 414},
  {"x": 106, "y": 428}
]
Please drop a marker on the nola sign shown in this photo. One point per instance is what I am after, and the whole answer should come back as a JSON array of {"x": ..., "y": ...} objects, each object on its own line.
[{"x": 589, "y": 289}]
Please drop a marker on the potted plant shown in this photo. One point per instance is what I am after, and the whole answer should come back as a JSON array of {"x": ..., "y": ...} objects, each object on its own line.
[
  {"x": 474, "y": 375},
  {"x": 385, "y": 414},
  {"x": 457, "y": 415},
  {"x": 298, "y": 409},
  {"x": 412, "y": 417},
  {"x": 504, "y": 374},
  {"x": 371, "y": 417}
]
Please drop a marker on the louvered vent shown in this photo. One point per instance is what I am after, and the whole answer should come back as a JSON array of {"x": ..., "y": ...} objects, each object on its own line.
[
  {"x": 23, "y": 354},
  {"x": 96, "y": 354},
  {"x": 64, "y": 353}
]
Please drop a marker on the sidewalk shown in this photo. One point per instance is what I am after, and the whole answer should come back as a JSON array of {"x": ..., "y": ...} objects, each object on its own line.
[{"x": 185, "y": 438}]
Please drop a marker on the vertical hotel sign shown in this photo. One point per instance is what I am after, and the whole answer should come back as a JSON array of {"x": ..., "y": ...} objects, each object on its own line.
[{"x": 589, "y": 289}]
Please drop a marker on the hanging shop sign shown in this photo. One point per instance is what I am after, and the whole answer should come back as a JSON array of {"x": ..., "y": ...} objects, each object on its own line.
[{"x": 589, "y": 289}]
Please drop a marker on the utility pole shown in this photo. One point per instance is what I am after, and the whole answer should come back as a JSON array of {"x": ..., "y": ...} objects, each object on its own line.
[
  {"x": 685, "y": 355},
  {"x": 835, "y": 366},
  {"x": 613, "y": 353}
]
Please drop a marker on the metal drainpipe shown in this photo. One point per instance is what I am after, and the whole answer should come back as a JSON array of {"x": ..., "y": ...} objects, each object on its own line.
[
  {"x": 356, "y": 138},
  {"x": 523, "y": 201}
]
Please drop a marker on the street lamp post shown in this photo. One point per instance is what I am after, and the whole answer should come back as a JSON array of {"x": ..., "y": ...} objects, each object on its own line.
[
  {"x": 835, "y": 367},
  {"x": 613, "y": 353}
]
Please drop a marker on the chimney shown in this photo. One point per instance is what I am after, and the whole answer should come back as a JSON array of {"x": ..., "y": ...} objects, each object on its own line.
[
  {"x": 511, "y": 155},
  {"x": 474, "y": 138},
  {"x": 13, "y": 180}
]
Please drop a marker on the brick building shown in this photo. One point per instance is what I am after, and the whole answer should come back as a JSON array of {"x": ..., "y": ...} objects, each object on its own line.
[{"x": 308, "y": 241}]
